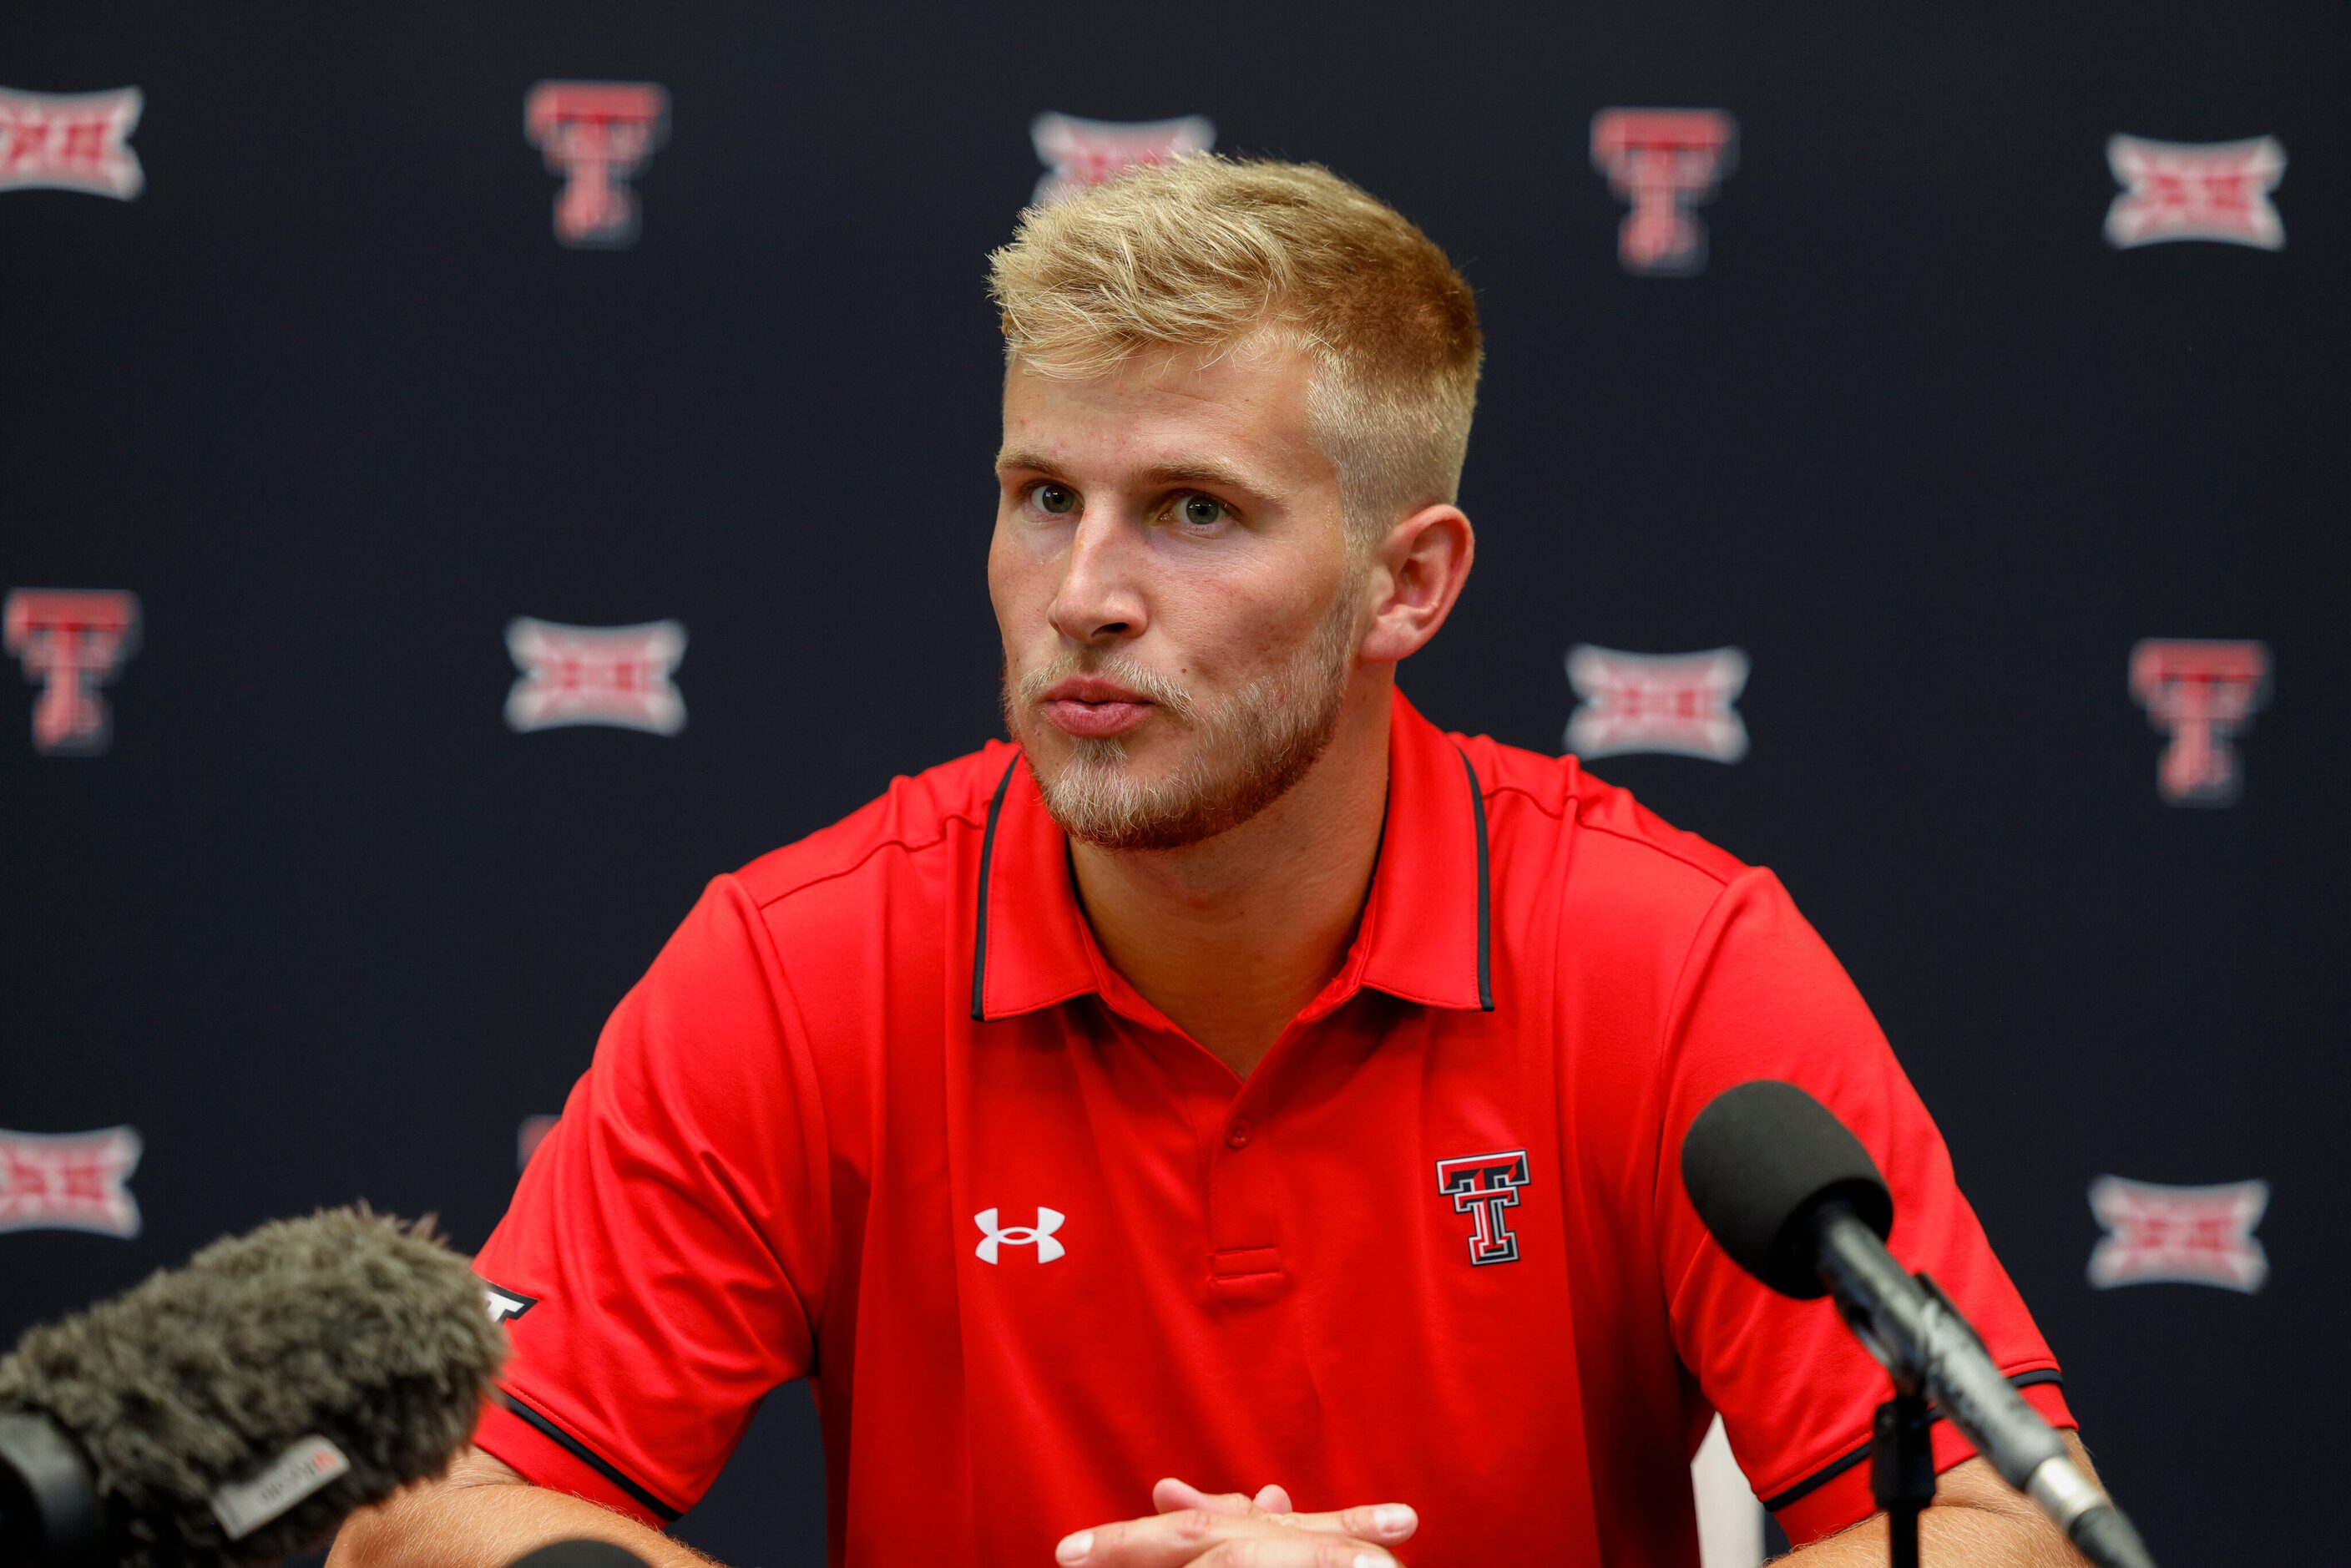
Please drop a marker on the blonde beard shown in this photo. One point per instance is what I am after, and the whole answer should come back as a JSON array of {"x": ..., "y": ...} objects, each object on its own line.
[{"x": 1246, "y": 752}]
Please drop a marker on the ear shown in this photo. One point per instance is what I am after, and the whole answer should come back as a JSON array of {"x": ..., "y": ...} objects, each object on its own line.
[{"x": 1417, "y": 573}]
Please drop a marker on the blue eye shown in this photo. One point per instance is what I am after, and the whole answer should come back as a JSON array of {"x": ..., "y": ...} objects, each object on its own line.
[
  {"x": 1058, "y": 500},
  {"x": 1204, "y": 511}
]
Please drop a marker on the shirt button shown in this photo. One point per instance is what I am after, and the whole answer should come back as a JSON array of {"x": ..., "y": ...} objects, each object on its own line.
[{"x": 1237, "y": 1135}]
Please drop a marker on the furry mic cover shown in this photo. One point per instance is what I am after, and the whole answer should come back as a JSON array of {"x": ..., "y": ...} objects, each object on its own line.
[{"x": 349, "y": 1325}]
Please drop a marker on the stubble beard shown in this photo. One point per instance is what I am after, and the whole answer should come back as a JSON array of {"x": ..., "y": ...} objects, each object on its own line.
[{"x": 1246, "y": 751}]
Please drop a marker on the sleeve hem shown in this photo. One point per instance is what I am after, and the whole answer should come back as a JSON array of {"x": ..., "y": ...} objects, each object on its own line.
[
  {"x": 543, "y": 1453},
  {"x": 1838, "y": 1494}
]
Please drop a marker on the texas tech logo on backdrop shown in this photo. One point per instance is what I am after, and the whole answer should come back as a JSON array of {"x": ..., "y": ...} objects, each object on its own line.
[
  {"x": 1677, "y": 703},
  {"x": 1081, "y": 152},
  {"x": 2179, "y": 1235},
  {"x": 617, "y": 676},
  {"x": 2181, "y": 190},
  {"x": 1665, "y": 161},
  {"x": 596, "y": 134},
  {"x": 1482, "y": 1186},
  {"x": 72, "y": 642},
  {"x": 69, "y": 1181},
  {"x": 2201, "y": 694},
  {"x": 70, "y": 141}
]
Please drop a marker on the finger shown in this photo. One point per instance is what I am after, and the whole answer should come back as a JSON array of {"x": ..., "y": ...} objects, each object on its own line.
[
  {"x": 1170, "y": 1494},
  {"x": 1185, "y": 1539},
  {"x": 1388, "y": 1521},
  {"x": 1294, "y": 1550},
  {"x": 1273, "y": 1497}
]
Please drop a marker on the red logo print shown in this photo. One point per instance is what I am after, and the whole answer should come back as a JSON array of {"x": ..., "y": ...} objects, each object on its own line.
[
  {"x": 617, "y": 676},
  {"x": 70, "y": 141},
  {"x": 1482, "y": 1186},
  {"x": 2213, "y": 190},
  {"x": 2201, "y": 694},
  {"x": 71, "y": 641},
  {"x": 1664, "y": 162},
  {"x": 1677, "y": 703},
  {"x": 596, "y": 134},
  {"x": 2179, "y": 1235},
  {"x": 1081, "y": 152},
  {"x": 71, "y": 1181}
]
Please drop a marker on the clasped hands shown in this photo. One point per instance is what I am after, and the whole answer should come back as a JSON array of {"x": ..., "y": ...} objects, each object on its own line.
[{"x": 1194, "y": 1529}]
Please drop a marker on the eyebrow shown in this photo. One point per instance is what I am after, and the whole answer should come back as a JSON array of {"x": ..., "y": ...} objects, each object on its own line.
[{"x": 1189, "y": 471}]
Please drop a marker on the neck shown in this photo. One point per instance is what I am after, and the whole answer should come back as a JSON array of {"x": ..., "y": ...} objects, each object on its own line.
[{"x": 1232, "y": 936}]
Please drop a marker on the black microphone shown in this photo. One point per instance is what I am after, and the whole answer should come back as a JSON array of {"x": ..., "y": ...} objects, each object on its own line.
[
  {"x": 237, "y": 1410},
  {"x": 582, "y": 1554},
  {"x": 1796, "y": 1201}
]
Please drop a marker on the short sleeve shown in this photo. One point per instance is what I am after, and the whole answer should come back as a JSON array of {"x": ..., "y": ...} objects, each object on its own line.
[
  {"x": 1761, "y": 997},
  {"x": 661, "y": 1267}
]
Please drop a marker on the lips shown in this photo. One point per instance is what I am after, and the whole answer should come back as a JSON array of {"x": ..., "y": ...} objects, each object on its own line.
[{"x": 1094, "y": 707}]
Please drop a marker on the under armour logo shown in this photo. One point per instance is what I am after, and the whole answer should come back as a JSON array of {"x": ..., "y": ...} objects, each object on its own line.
[
  {"x": 1482, "y": 1186},
  {"x": 1041, "y": 1234}
]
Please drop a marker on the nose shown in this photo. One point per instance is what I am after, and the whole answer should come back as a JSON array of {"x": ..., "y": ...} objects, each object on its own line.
[{"x": 1098, "y": 598}]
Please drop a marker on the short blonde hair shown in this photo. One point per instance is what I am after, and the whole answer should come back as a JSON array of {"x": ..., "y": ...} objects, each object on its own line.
[{"x": 1212, "y": 252}]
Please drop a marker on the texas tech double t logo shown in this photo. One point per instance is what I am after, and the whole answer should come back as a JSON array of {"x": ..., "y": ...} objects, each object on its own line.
[
  {"x": 2201, "y": 694},
  {"x": 1664, "y": 162},
  {"x": 71, "y": 641},
  {"x": 596, "y": 134},
  {"x": 1482, "y": 1186}
]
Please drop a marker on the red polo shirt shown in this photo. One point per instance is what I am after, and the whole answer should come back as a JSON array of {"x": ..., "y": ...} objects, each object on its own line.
[{"x": 881, "y": 1115}]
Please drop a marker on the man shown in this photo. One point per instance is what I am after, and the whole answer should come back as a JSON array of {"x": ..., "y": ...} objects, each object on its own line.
[{"x": 1233, "y": 1079}]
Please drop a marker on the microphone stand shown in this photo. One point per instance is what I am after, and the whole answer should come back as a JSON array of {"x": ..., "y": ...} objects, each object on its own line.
[{"x": 1902, "y": 1472}]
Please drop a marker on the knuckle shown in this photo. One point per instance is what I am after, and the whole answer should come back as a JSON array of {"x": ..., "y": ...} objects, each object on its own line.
[{"x": 1192, "y": 1524}]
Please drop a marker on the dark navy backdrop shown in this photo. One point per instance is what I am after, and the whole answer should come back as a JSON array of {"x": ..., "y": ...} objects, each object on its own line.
[{"x": 330, "y": 399}]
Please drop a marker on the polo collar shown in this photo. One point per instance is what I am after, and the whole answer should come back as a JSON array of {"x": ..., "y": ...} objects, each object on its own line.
[{"x": 1427, "y": 930}]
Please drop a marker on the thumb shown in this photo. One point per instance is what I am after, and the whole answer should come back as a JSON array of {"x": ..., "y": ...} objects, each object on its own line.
[{"x": 1273, "y": 1497}]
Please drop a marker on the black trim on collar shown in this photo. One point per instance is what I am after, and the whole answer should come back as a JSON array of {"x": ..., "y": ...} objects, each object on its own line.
[
  {"x": 594, "y": 1460},
  {"x": 1484, "y": 891},
  {"x": 987, "y": 859},
  {"x": 1837, "y": 1466}
]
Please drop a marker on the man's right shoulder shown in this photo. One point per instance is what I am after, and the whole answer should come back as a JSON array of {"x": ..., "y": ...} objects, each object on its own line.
[{"x": 912, "y": 839}]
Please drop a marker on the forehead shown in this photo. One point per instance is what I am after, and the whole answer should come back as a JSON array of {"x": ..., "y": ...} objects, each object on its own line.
[{"x": 1243, "y": 409}]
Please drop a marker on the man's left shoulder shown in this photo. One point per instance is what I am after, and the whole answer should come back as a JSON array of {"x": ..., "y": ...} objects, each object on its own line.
[{"x": 1559, "y": 833}]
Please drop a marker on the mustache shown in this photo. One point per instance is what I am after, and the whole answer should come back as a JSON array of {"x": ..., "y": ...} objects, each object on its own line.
[{"x": 1170, "y": 695}]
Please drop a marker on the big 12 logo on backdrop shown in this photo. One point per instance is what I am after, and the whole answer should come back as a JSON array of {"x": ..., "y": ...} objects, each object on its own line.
[
  {"x": 70, "y": 1181},
  {"x": 2179, "y": 1235},
  {"x": 70, "y": 141},
  {"x": 1080, "y": 154},
  {"x": 1677, "y": 703},
  {"x": 615, "y": 675},
  {"x": 2182, "y": 190}
]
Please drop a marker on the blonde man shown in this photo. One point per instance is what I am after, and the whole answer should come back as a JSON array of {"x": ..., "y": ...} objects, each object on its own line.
[{"x": 1232, "y": 1121}]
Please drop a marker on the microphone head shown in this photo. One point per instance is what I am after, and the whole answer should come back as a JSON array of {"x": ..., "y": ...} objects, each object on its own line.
[
  {"x": 580, "y": 1554},
  {"x": 238, "y": 1409},
  {"x": 1759, "y": 1163}
]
